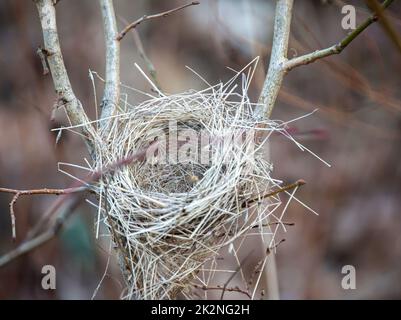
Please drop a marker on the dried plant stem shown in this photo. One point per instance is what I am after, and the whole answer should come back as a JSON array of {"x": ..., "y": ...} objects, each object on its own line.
[
  {"x": 153, "y": 16},
  {"x": 296, "y": 184}
]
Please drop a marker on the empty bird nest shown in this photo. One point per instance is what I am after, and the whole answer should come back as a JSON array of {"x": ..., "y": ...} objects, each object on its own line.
[{"x": 196, "y": 188}]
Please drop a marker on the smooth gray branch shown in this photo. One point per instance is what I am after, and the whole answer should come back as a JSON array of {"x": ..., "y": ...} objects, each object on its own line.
[
  {"x": 111, "y": 95},
  {"x": 278, "y": 58},
  {"x": 52, "y": 51},
  {"x": 267, "y": 99}
]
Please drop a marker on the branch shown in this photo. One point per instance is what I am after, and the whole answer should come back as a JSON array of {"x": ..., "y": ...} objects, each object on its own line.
[
  {"x": 18, "y": 193},
  {"x": 67, "y": 197},
  {"x": 385, "y": 22},
  {"x": 141, "y": 50},
  {"x": 111, "y": 95},
  {"x": 267, "y": 99},
  {"x": 278, "y": 58},
  {"x": 43, "y": 238},
  {"x": 154, "y": 16},
  {"x": 336, "y": 48},
  {"x": 296, "y": 184},
  {"x": 52, "y": 51},
  {"x": 229, "y": 289},
  {"x": 151, "y": 68}
]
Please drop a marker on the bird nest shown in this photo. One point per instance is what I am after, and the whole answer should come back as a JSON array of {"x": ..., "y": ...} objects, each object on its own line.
[{"x": 196, "y": 187}]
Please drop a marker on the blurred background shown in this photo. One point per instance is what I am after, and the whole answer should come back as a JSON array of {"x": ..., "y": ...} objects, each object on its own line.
[{"x": 357, "y": 129}]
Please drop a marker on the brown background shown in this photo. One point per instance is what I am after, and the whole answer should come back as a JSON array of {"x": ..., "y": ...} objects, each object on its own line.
[{"x": 357, "y": 129}]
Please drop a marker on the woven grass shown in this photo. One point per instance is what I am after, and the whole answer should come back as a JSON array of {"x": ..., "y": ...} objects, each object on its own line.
[{"x": 175, "y": 209}]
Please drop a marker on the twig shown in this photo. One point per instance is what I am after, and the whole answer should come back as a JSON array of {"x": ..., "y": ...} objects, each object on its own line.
[
  {"x": 273, "y": 223},
  {"x": 43, "y": 238},
  {"x": 384, "y": 21},
  {"x": 262, "y": 266},
  {"x": 42, "y": 56},
  {"x": 18, "y": 193},
  {"x": 111, "y": 95},
  {"x": 142, "y": 53},
  {"x": 296, "y": 184},
  {"x": 337, "y": 48},
  {"x": 224, "y": 288},
  {"x": 35, "y": 241},
  {"x": 153, "y": 16},
  {"x": 230, "y": 289},
  {"x": 52, "y": 51}
]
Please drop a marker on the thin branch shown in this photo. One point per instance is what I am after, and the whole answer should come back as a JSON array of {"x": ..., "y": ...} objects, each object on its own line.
[
  {"x": 278, "y": 58},
  {"x": 274, "y": 223},
  {"x": 70, "y": 201},
  {"x": 336, "y": 48},
  {"x": 52, "y": 51},
  {"x": 149, "y": 65},
  {"x": 267, "y": 99},
  {"x": 385, "y": 22},
  {"x": 154, "y": 16},
  {"x": 111, "y": 95},
  {"x": 18, "y": 193},
  {"x": 225, "y": 286},
  {"x": 296, "y": 184},
  {"x": 41, "y": 191},
  {"x": 229, "y": 289},
  {"x": 142, "y": 53},
  {"x": 43, "y": 238}
]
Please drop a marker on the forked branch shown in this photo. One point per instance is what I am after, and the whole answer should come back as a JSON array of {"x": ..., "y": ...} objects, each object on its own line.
[
  {"x": 18, "y": 193},
  {"x": 338, "y": 47},
  {"x": 64, "y": 206}
]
